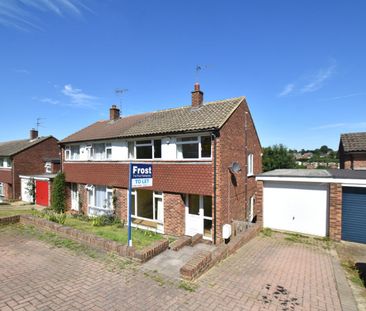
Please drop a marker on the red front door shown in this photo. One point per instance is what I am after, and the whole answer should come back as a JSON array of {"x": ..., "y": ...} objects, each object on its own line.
[{"x": 42, "y": 192}]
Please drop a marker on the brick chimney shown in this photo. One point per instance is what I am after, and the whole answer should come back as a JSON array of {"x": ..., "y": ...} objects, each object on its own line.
[
  {"x": 197, "y": 96},
  {"x": 33, "y": 134},
  {"x": 114, "y": 113}
]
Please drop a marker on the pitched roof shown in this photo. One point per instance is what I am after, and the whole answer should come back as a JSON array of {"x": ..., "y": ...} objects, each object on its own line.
[
  {"x": 9, "y": 148},
  {"x": 354, "y": 141},
  {"x": 176, "y": 120}
]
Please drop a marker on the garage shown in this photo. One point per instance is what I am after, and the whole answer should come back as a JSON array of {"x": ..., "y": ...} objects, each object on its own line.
[
  {"x": 26, "y": 186},
  {"x": 354, "y": 214},
  {"x": 42, "y": 195},
  {"x": 42, "y": 188},
  {"x": 296, "y": 207}
]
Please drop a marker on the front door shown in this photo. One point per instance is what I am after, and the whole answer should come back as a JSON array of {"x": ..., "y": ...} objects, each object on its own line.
[
  {"x": 74, "y": 197},
  {"x": 194, "y": 215},
  {"x": 42, "y": 192}
]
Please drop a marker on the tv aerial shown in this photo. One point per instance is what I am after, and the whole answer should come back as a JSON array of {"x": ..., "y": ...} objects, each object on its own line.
[
  {"x": 119, "y": 93},
  {"x": 39, "y": 123}
]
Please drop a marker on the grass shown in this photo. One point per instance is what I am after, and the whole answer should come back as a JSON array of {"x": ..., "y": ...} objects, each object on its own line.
[
  {"x": 352, "y": 271},
  {"x": 188, "y": 286},
  {"x": 267, "y": 232},
  {"x": 9, "y": 210},
  {"x": 115, "y": 232}
]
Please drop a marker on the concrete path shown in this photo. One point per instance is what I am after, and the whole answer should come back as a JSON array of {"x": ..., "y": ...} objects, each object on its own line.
[
  {"x": 265, "y": 274},
  {"x": 169, "y": 262}
]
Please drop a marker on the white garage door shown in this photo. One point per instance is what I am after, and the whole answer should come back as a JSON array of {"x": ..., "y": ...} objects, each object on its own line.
[
  {"x": 26, "y": 197},
  {"x": 297, "y": 207}
]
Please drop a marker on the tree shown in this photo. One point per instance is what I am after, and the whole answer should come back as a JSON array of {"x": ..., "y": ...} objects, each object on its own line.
[
  {"x": 324, "y": 149},
  {"x": 58, "y": 193},
  {"x": 277, "y": 156}
]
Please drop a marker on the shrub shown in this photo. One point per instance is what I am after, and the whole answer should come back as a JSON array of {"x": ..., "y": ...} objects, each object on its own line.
[
  {"x": 104, "y": 220},
  {"x": 58, "y": 193}
]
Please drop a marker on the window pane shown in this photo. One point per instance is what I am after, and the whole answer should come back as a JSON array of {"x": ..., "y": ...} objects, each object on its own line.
[
  {"x": 143, "y": 152},
  {"x": 143, "y": 142},
  {"x": 100, "y": 197},
  {"x": 131, "y": 150},
  {"x": 194, "y": 204},
  {"x": 207, "y": 227},
  {"x": 109, "y": 153},
  {"x": 98, "y": 151},
  {"x": 206, "y": 147},
  {"x": 192, "y": 138},
  {"x": 190, "y": 151},
  {"x": 145, "y": 204},
  {"x": 207, "y": 206},
  {"x": 75, "y": 151},
  {"x": 157, "y": 149}
]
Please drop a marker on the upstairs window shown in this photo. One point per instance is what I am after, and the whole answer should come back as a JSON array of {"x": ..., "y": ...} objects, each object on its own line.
[
  {"x": 75, "y": 152},
  {"x": 194, "y": 147},
  {"x": 250, "y": 169},
  {"x": 1, "y": 189},
  {"x": 145, "y": 149},
  {"x": 98, "y": 151},
  {"x": 5, "y": 162},
  {"x": 108, "y": 151},
  {"x": 48, "y": 167}
]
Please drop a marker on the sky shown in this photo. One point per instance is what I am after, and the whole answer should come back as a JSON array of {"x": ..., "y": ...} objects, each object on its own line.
[{"x": 300, "y": 64}]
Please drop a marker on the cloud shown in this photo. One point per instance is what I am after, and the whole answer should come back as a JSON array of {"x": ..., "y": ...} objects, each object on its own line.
[
  {"x": 355, "y": 125},
  {"x": 310, "y": 83},
  {"x": 22, "y": 71},
  {"x": 317, "y": 80},
  {"x": 342, "y": 96},
  {"x": 287, "y": 90},
  {"x": 22, "y": 14},
  {"x": 78, "y": 97},
  {"x": 50, "y": 101}
]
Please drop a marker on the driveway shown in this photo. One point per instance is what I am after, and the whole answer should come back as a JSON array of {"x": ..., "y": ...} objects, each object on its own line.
[{"x": 266, "y": 274}]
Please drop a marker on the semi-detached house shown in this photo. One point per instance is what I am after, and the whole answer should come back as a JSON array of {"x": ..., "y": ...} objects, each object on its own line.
[{"x": 204, "y": 156}]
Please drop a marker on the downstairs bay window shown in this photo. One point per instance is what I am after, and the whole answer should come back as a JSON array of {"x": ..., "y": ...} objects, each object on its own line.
[{"x": 100, "y": 200}]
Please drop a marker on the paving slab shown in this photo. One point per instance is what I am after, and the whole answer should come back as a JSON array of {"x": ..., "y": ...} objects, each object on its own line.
[{"x": 169, "y": 262}]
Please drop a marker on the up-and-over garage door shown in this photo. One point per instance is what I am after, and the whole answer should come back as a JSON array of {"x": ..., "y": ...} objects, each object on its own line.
[
  {"x": 354, "y": 214},
  {"x": 297, "y": 207}
]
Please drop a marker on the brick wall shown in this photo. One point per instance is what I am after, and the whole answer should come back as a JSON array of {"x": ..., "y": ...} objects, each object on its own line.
[
  {"x": 6, "y": 179},
  {"x": 335, "y": 211},
  {"x": 259, "y": 201},
  {"x": 234, "y": 144},
  {"x": 183, "y": 178},
  {"x": 31, "y": 161},
  {"x": 174, "y": 214}
]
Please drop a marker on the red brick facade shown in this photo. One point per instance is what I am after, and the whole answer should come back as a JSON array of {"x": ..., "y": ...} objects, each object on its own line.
[
  {"x": 238, "y": 138},
  {"x": 351, "y": 160},
  {"x": 174, "y": 214},
  {"x": 28, "y": 162}
]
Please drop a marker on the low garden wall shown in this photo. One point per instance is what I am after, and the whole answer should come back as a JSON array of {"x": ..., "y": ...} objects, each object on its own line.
[
  {"x": 90, "y": 239},
  {"x": 205, "y": 260}
]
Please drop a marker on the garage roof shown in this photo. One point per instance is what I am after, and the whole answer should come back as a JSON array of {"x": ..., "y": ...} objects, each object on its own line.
[
  {"x": 315, "y": 173},
  {"x": 354, "y": 141}
]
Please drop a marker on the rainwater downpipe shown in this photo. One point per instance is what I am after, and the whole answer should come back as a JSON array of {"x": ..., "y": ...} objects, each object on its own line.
[{"x": 214, "y": 136}]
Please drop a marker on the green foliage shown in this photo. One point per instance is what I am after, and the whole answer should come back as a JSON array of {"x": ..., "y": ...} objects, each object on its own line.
[
  {"x": 104, "y": 220},
  {"x": 188, "y": 286},
  {"x": 50, "y": 215},
  {"x": 58, "y": 193},
  {"x": 277, "y": 156},
  {"x": 31, "y": 189},
  {"x": 267, "y": 232}
]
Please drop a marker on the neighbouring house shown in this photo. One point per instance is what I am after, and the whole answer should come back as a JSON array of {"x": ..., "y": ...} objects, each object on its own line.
[
  {"x": 319, "y": 202},
  {"x": 352, "y": 151},
  {"x": 204, "y": 156},
  {"x": 25, "y": 157}
]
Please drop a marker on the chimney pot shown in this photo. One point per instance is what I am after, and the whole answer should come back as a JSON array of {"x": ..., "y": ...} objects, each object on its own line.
[
  {"x": 114, "y": 113},
  {"x": 197, "y": 96},
  {"x": 33, "y": 134}
]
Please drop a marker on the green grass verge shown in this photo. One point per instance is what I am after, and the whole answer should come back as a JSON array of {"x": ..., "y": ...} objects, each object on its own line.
[
  {"x": 353, "y": 273},
  {"x": 115, "y": 232},
  {"x": 7, "y": 210}
]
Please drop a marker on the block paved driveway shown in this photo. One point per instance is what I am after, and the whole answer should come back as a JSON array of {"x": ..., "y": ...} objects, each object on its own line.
[{"x": 265, "y": 274}]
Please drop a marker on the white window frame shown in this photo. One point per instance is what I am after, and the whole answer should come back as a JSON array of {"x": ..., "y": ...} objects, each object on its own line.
[
  {"x": 1, "y": 189},
  {"x": 156, "y": 195},
  {"x": 48, "y": 167},
  {"x": 251, "y": 206},
  {"x": 67, "y": 153},
  {"x": 250, "y": 164},
  {"x": 108, "y": 147},
  {"x": 198, "y": 140},
  {"x": 136, "y": 144},
  {"x": 5, "y": 162},
  {"x": 91, "y": 191}
]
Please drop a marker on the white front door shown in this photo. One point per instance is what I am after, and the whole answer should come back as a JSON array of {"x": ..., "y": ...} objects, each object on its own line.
[
  {"x": 26, "y": 185},
  {"x": 194, "y": 215},
  {"x": 74, "y": 197}
]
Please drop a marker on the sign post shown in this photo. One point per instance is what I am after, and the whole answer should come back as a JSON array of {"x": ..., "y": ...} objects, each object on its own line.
[{"x": 140, "y": 175}]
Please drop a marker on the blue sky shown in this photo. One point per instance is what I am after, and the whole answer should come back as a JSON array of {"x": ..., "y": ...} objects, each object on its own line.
[{"x": 301, "y": 64}]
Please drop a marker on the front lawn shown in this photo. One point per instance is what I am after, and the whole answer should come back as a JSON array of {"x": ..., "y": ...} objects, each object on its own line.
[
  {"x": 116, "y": 232},
  {"x": 10, "y": 210}
]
